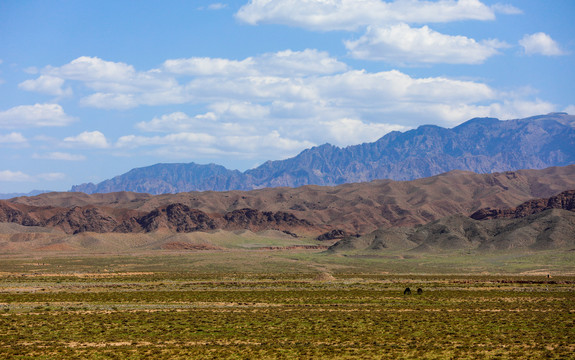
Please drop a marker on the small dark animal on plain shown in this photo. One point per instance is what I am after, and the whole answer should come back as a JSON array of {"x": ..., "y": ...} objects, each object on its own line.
[
  {"x": 419, "y": 291},
  {"x": 407, "y": 291}
]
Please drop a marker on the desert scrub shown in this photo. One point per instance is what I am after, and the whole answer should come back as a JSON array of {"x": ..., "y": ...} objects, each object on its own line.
[{"x": 254, "y": 316}]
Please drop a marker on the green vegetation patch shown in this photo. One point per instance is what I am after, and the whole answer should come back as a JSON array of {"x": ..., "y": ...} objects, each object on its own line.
[{"x": 205, "y": 316}]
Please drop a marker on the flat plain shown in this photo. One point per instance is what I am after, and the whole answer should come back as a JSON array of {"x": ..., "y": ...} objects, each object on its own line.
[{"x": 287, "y": 304}]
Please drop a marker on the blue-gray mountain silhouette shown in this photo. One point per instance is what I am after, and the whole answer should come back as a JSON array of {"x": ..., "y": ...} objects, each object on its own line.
[{"x": 481, "y": 145}]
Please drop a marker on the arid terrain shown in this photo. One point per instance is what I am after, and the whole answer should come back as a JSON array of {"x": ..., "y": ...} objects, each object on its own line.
[
  {"x": 310, "y": 272},
  {"x": 274, "y": 216}
]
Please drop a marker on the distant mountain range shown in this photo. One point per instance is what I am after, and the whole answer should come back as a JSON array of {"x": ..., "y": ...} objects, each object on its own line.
[
  {"x": 31, "y": 193},
  {"x": 481, "y": 145}
]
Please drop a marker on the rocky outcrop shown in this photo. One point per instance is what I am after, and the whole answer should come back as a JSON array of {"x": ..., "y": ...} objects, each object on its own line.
[
  {"x": 333, "y": 234},
  {"x": 177, "y": 217},
  {"x": 77, "y": 220},
  {"x": 253, "y": 219},
  {"x": 564, "y": 200},
  {"x": 12, "y": 213},
  {"x": 549, "y": 229},
  {"x": 482, "y": 145}
]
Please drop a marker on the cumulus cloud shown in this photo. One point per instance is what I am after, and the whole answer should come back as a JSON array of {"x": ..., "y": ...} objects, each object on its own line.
[
  {"x": 327, "y": 15},
  {"x": 46, "y": 84},
  {"x": 282, "y": 63},
  {"x": 8, "y": 175},
  {"x": 570, "y": 110},
  {"x": 37, "y": 115},
  {"x": 217, "y": 6},
  {"x": 88, "y": 139},
  {"x": 59, "y": 156},
  {"x": 186, "y": 144},
  {"x": 94, "y": 69},
  {"x": 354, "y": 131},
  {"x": 210, "y": 121},
  {"x": 13, "y": 138},
  {"x": 403, "y": 44},
  {"x": 19, "y": 176},
  {"x": 115, "y": 83},
  {"x": 110, "y": 101},
  {"x": 540, "y": 43},
  {"x": 279, "y": 103},
  {"x": 506, "y": 9}
]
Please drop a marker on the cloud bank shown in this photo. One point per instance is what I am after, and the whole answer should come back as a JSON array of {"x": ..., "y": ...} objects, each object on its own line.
[{"x": 274, "y": 103}]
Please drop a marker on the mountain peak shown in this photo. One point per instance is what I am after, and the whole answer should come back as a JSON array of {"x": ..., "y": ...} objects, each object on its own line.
[{"x": 481, "y": 145}]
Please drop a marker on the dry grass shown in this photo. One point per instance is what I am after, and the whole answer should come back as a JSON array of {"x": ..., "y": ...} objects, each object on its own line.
[{"x": 232, "y": 315}]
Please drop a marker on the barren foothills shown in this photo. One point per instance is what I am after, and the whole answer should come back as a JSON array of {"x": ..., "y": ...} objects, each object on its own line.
[{"x": 354, "y": 208}]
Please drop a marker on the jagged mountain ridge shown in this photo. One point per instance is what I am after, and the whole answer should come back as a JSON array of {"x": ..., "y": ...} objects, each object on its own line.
[
  {"x": 176, "y": 217},
  {"x": 481, "y": 145}
]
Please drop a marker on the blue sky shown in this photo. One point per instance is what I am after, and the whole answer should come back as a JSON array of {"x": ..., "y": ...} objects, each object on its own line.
[{"x": 92, "y": 89}]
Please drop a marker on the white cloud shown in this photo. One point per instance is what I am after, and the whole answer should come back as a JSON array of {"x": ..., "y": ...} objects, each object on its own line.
[
  {"x": 540, "y": 43},
  {"x": 8, "y": 175},
  {"x": 402, "y": 44},
  {"x": 87, "y": 68},
  {"x": 327, "y": 15},
  {"x": 518, "y": 108},
  {"x": 34, "y": 116},
  {"x": 298, "y": 63},
  {"x": 247, "y": 107},
  {"x": 177, "y": 121},
  {"x": 110, "y": 101},
  {"x": 90, "y": 139},
  {"x": 570, "y": 110},
  {"x": 46, "y": 84},
  {"x": 187, "y": 144},
  {"x": 13, "y": 138},
  {"x": 354, "y": 131},
  {"x": 282, "y": 63},
  {"x": 209, "y": 122},
  {"x": 19, "y": 176},
  {"x": 217, "y": 6},
  {"x": 115, "y": 83},
  {"x": 382, "y": 89},
  {"x": 506, "y": 9},
  {"x": 240, "y": 110},
  {"x": 208, "y": 66},
  {"x": 59, "y": 156}
]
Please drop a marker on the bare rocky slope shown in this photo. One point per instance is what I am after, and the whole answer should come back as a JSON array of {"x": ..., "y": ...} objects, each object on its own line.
[
  {"x": 564, "y": 200},
  {"x": 547, "y": 230},
  {"x": 539, "y": 224},
  {"x": 311, "y": 210},
  {"x": 482, "y": 145}
]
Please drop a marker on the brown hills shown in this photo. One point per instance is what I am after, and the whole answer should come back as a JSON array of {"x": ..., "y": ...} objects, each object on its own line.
[
  {"x": 352, "y": 208},
  {"x": 173, "y": 218},
  {"x": 306, "y": 212},
  {"x": 550, "y": 229},
  {"x": 565, "y": 201},
  {"x": 538, "y": 224}
]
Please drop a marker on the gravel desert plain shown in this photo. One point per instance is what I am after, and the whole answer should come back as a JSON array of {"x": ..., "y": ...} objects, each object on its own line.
[{"x": 309, "y": 272}]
